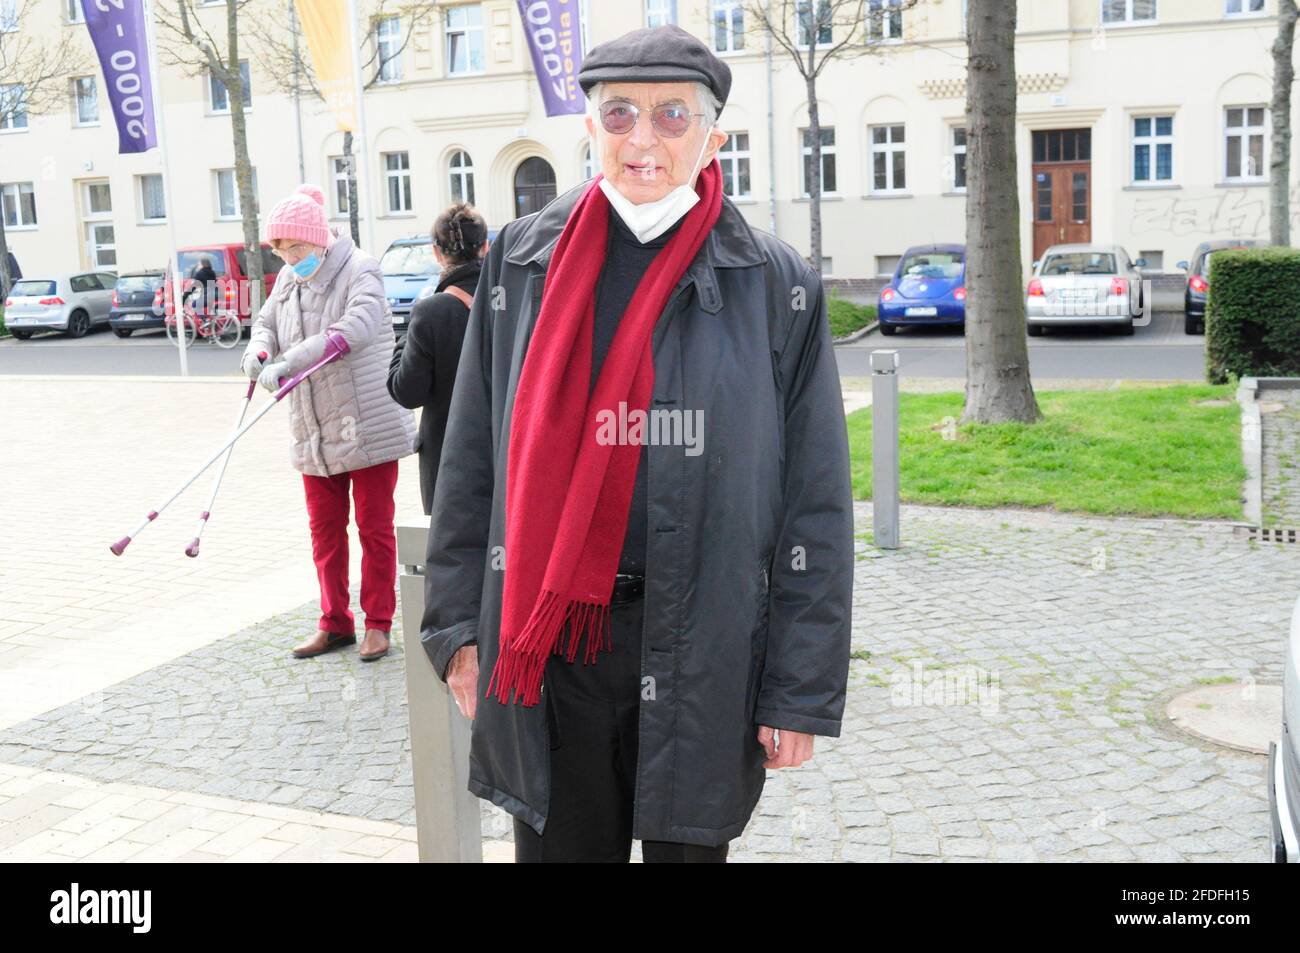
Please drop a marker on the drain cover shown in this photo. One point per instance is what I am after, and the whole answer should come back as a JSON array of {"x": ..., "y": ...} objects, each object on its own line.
[{"x": 1239, "y": 715}]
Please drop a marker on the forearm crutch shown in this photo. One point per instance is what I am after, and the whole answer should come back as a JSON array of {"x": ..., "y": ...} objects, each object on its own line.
[{"x": 335, "y": 347}]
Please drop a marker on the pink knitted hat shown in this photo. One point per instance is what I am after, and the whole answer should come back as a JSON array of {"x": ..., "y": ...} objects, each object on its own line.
[{"x": 301, "y": 216}]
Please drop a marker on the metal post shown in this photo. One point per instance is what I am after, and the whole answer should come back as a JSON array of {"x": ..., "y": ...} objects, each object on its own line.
[
  {"x": 447, "y": 820},
  {"x": 884, "y": 448}
]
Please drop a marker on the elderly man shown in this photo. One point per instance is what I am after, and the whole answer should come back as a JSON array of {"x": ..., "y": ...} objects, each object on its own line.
[{"x": 646, "y": 456}]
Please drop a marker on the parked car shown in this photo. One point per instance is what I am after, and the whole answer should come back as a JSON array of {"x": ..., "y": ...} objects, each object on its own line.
[
  {"x": 137, "y": 302},
  {"x": 1284, "y": 759},
  {"x": 411, "y": 273},
  {"x": 1084, "y": 284},
  {"x": 1198, "y": 280},
  {"x": 927, "y": 287},
  {"x": 231, "y": 268},
  {"x": 73, "y": 303}
]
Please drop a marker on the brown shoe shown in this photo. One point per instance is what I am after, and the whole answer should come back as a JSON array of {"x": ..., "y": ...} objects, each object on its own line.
[
  {"x": 374, "y": 645},
  {"x": 323, "y": 641}
]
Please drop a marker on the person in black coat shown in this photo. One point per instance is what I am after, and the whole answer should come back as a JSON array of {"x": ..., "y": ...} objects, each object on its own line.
[
  {"x": 204, "y": 284},
  {"x": 423, "y": 369}
]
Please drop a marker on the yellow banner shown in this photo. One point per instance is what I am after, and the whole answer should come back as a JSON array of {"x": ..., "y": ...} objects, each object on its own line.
[{"x": 325, "y": 25}]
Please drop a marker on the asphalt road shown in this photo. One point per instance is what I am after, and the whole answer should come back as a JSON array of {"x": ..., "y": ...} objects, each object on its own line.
[{"x": 1160, "y": 351}]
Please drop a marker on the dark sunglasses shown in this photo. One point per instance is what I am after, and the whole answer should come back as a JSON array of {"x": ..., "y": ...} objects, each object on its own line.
[{"x": 670, "y": 120}]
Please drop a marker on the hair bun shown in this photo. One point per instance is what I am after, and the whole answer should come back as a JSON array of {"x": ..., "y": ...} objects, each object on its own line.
[{"x": 314, "y": 192}]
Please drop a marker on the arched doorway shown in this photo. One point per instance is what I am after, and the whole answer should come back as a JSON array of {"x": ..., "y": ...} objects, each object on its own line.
[{"x": 534, "y": 185}]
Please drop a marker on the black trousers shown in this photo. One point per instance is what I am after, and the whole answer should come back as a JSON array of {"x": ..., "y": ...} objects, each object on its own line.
[{"x": 592, "y": 718}]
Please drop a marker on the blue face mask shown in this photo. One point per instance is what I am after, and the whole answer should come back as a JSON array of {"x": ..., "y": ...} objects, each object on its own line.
[{"x": 308, "y": 265}]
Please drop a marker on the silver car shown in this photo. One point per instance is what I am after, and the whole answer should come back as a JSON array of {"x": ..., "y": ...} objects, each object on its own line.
[
  {"x": 72, "y": 303},
  {"x": 1084, "y": 284}
]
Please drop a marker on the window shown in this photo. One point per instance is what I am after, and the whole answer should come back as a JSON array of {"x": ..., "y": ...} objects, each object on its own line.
[
  {"x": 885, "y": 21},
  {"x": 734, "y": 158},
  {"x": 339, "y": 173},
  {"x": 660, "y": 12},
  {"x": 8, "y": 15},
  {"x": 1062, "y": 145},
  {"x": 75, "y": 14},
  {"x": 588, "y": 166},
  {"x": 18, "y": 200},
  {"x": 886, "y": 265},
  {"x": 959, "y": 158},
  {"x": 728, "y": 26},
  {"x": 1244, "y": 142},
  {"x": 803, "y": 11},
  {"x": 397, "y": 175},
  {"x": 228, "y": 194},
  {"x": 220, "y": 96},
  {"x": 1155, "y": 260},
  {"x": 461, "y": 169},
  {"x": 13, "y": 106},
  {"x": 1241, "y": 8},
  {"x": 465, "y": 40},
  {"x": 152, "y": 206},
  {"x": 388, "y": 45},
  {"x": 85, "y": 96},
  {"x": 1128, "y": 11},
  {"x": 828, "y": 159},
  {"x": 1153, "y": 149},
  {"x": 583, "y": 19},
  {"x": 888, "y": 159},
  {"x": 98, "y": 200}
]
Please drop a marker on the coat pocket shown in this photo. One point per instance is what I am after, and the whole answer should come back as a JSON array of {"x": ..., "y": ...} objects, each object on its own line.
[{"x": 758, "y": 642}]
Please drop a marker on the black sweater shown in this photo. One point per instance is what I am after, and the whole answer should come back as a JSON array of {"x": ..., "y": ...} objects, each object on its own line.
[{"x": 423, "y": 369}]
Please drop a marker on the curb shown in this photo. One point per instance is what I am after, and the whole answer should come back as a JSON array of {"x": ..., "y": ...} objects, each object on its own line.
[{"x": 856, "y": 335}]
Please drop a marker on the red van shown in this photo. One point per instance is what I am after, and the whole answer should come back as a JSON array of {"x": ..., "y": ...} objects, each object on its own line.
[{"x": 229, "y": 263}]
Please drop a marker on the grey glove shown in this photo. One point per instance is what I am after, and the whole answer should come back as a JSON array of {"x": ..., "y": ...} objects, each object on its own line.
[
  {"x": 271, "y": 374},
  {"x": 252, "y": 365}
]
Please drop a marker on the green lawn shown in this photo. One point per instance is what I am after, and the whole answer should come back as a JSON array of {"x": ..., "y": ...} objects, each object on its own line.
[
  {"x": 847, "y": 317},
  {"x": 1151, "y": 451}
]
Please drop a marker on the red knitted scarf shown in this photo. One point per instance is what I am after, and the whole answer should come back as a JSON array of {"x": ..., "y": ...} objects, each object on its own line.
[{"x": 567, "y": 494}]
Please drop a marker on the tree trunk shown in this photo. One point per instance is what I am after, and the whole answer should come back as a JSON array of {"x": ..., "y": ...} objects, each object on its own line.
[
  {"x": 354, "y": 219},
  {"x": 244, "y": 166},
  {"x": 998, "y": 387},
  {"x": 1280, "y": 160},
  {"x": 6, "y": 280},
  {"x": 815, "y": 135}
]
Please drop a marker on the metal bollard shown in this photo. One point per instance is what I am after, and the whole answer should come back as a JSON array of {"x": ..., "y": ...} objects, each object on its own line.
[
  {"x": 884, "y": 448},
  {"x": 447, "y": 820}
]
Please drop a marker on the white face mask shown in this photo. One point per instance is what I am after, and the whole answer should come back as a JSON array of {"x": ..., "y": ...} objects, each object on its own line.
[{"x": 649, "y": 220}]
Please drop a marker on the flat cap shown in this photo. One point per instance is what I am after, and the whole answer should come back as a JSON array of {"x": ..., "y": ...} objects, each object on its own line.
[{"x": 661, "y": 54}]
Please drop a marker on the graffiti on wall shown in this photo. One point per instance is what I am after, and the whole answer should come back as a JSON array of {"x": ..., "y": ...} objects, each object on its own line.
[{"x": 1230, "y": 213}]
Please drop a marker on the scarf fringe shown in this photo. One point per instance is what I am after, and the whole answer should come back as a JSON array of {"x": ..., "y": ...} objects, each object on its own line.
[{"x": 520, "y": 665}]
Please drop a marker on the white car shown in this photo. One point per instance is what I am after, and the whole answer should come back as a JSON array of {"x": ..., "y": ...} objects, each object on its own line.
[
  {"x": 1284, "y": 759},
  {"x": 72, "y": 303},
  {"x": 1084, "y": 284}
]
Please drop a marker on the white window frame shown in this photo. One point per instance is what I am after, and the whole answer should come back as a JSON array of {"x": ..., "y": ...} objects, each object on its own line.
[
  {"x": 888, "y": 149},
  {"x": 14, "y": 191},
  {"x": 234, "y": 191},
  {"x": 141, "y": 205},
  {"x": 390, "y": 67},
  {"x": 214, "y": 84},
  {"x": 77, "y": 121},
  {"x": 74, "y": 12},
  {"x": 958, "y": 149},
  {"x": 465, "y": 173},
  {"x": 12, "y": 123},
  {"x": 89, "y": 214},
  {"x": 660, "y": 12},
  {"x": 1243, "y": 9},
  {"x": 588, "y": 162},
  {"x": 399, "y": 175},
  {"x": 878, "y": 13},
  {"x": 467, "y": 32},
  {"x": 1245, "y": 132},
  {"x": 730, "y": 158},
  {"x": 799, "y": 40},
  {"x": 728, "y": 10},
  {"x": 338, "y": 169},
  {"x": 1151, "y": 141},
  {"x": 584, "y": 21},
  {"x": 1128, "y": 15},
  {"x": 805, "y": 152}
]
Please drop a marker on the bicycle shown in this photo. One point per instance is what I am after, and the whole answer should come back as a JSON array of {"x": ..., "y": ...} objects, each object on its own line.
[{"x": 223, "y": 327}]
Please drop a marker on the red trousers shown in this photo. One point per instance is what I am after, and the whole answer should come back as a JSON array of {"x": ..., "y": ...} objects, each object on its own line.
[{"x": 327, "y": 512}]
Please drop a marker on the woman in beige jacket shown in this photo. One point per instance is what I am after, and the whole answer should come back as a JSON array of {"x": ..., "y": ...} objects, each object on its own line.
[{"x": 346, "y": 429}]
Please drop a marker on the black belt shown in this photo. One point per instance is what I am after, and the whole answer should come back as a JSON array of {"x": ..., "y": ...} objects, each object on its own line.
[{"x": 627, "y": 589}]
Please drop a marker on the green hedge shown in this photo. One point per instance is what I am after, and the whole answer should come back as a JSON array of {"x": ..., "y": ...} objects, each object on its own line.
[{"x": 1252, "y": 314}]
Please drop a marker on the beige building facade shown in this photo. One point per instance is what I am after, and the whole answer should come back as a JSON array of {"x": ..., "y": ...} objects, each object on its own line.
[{"x": 1142, "y": 122}]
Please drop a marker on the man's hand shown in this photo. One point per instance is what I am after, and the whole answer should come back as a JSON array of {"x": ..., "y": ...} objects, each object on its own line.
[
  {"x": 790, "y": 750},
  {"x": 462, "y": 679}
]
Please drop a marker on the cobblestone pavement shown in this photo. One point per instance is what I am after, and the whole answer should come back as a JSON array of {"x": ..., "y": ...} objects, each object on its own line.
[
  {"x": 1280, "y": 482},
  {"x": 1005, "y": 703}
]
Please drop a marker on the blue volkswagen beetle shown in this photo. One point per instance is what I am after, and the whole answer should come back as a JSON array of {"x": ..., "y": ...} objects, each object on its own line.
[{"x": 928, "y": 287}]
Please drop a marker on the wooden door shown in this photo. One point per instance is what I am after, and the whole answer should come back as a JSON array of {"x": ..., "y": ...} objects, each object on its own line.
[{"x": 1061, "y": 188}]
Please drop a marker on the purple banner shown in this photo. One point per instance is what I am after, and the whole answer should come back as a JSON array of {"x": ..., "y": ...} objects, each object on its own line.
[
  {"x": 555, "y": 41},
  {"x": 118, "y": 31}
]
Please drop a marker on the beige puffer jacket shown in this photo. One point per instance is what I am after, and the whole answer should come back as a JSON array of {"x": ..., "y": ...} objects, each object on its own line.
[{"x": 341, "y": 417}]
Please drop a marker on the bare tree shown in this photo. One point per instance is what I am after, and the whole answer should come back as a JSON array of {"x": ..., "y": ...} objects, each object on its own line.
[
  {"x": 814, "y": 33},
  {"x": 1280, "y": 160},
  {"x": 998, "y": 387},
  {"x": 289, "y": 61},
  {"x": 197, "y": 52},
  {"x": 34, "y": 74}
]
